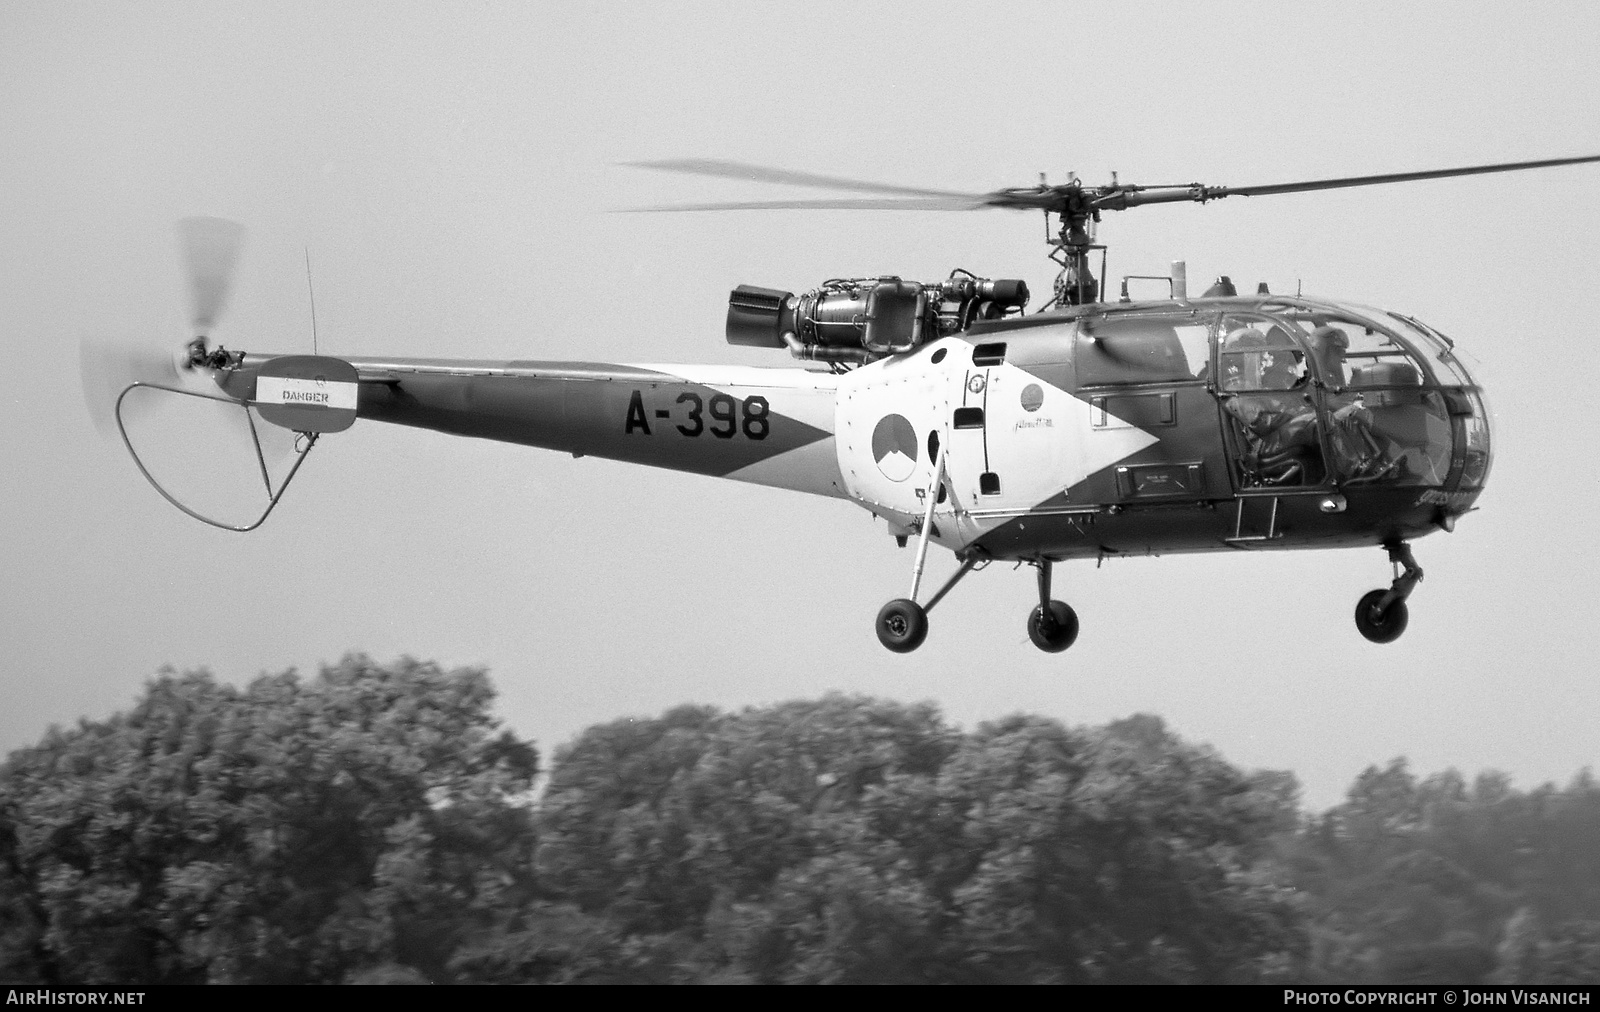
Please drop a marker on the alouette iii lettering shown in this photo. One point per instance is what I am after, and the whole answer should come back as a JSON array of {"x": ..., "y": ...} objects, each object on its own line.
[{"x": 1081, "y": 430}]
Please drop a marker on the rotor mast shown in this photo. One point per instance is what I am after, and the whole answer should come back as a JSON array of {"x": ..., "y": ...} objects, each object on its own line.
[{"x": 1076, "y": 283}]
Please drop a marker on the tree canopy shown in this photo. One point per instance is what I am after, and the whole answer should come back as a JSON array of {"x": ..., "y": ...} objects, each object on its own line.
[
  {"x": 376, "y": 823},
  {"x": 1436, "y": 881},
  {"x": 295, "y": 830},
  {"x": 853, "y": 840}
]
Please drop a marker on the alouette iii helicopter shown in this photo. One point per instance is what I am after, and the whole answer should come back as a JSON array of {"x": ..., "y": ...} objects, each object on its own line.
[{"x": 1086, "y": 429}]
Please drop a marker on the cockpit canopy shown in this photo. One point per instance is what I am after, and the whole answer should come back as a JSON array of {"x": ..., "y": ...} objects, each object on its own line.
[{"x": 1317, "y": 391}]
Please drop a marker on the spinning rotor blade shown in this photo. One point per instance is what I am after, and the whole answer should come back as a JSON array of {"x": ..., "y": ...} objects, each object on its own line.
[
  {"x": 1392, "y": 177},
  {"x": 210, "y": 252},
  {"x": 953, "y": 203},
  {"x": 157, "y": 417},
  {"x": 1118, "y": 198},
  {"x": 210, "y": 249},
  {"x": 1073, "y": 198},
  {"x": 106, "y": 368},
  {"x": 763, "y": 174}
]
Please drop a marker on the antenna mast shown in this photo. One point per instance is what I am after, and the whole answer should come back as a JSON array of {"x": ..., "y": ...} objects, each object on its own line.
[{"x": 313, "y": 293}]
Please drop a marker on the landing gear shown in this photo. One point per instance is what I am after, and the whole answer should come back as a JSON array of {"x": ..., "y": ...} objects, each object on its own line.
[
  {"x": 902, "y": 625},
  {"x": 1377, "y": 623},
  {"x": 1381, "y": 615},
  {"x": 1053, "y": 625},
  {"x": 1055, "y": 632}
]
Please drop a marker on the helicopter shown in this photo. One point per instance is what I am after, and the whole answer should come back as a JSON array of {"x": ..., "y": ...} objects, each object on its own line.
[{"x": 1086, "y": 429}]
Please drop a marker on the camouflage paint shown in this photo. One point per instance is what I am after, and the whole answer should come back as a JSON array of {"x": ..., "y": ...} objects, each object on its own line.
[
  {"x": 767, "y": 426},
  {"x": 1052, "y": 468}
]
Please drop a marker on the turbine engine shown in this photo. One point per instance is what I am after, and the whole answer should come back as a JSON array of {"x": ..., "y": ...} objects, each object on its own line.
[{"x": 860, "y": 319}]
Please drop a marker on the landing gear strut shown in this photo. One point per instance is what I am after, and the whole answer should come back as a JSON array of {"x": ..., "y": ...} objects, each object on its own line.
[
  {"x": 1053, "y": 625},
  {"x": 1381, "y": 615},
  {"x": 903, "y": 623}
]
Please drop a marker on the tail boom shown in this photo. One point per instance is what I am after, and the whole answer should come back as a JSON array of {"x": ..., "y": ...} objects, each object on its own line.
[{"x": 767, "y": 426}]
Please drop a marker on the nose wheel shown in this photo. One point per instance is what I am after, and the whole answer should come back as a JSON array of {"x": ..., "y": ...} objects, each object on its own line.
[
  {"x": 1378, "y": 623},
  {"x": 1381, "y": 615}
]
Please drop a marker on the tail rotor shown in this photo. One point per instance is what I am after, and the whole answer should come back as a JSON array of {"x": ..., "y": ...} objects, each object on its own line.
[{"x": 108, "y": 366}]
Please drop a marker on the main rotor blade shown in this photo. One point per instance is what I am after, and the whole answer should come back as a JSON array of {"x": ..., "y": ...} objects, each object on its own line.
[
  {"x": 764, "y": 174},
  {"x": 210, "y": 252},
  {"x": 953, "y": 203},
  {"x": 1392, "y": 177},
  {"x": 1072, "y": 198}
]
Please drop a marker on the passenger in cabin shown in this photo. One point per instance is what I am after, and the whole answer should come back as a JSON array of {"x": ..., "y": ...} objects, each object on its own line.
[{"x": 1329, "y": 345}]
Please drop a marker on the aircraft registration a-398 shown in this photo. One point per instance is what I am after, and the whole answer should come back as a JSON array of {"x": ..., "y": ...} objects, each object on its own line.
[{"x": 1088, "y": 429}]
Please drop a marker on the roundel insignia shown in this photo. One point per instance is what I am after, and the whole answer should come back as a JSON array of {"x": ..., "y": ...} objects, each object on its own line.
[
  {"x": 1032, "y": 397},
  {"x": 894, "y": 447},
  {"x": 975, "y": 384}
]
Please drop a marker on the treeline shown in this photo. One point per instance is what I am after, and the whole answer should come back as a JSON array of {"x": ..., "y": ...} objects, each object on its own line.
[{"x": 377, "y": 824}]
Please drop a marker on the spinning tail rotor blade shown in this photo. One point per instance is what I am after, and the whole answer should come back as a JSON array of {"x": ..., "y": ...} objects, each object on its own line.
[
  {"x": 210, "y": 252},
  {"x": 210, "y": 249},
  {"x": 106, "y": 367}
]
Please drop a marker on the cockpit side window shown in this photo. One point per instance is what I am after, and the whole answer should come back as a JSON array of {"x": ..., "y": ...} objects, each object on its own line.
[
  {"x": 1383, "y": 422},
  {"x": 1264, "y": 389},
  {"x": 1350, "y": 352}
]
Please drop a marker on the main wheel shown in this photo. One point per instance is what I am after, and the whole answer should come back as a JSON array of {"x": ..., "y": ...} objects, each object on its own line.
[
  {"x": 1380, "y": 627},
  {"x": 902, "y": 625},
  {"x": 1055, "y": 632}
]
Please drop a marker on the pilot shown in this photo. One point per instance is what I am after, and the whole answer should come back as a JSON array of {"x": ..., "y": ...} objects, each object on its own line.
[
  {"x": 1280, "y": 425},
  {"x": 1362, "y": 454},
  {"x": 1241, "y": 359}
]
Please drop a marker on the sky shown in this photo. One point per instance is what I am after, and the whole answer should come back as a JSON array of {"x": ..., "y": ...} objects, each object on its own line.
[{"x": 452, "y": 172}]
